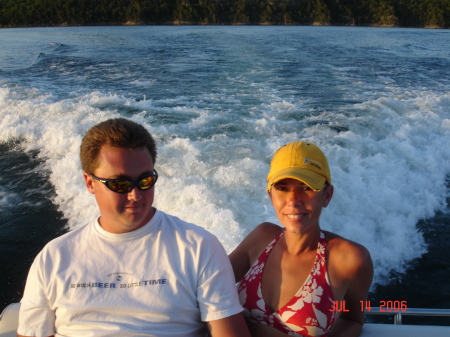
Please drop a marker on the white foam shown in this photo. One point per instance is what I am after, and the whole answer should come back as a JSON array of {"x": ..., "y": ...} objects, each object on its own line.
[{"x": 389, "y": 162}]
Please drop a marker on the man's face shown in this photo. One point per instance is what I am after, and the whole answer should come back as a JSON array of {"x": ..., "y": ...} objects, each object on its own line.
[{"x": 121, "y": 213}]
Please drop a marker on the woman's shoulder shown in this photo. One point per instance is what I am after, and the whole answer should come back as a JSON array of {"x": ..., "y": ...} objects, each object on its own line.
[
  {"x": 350, "y": 269},
  {"x": 263, "y": 234},
  {"x": 345, "y": 252},
  {"x": 339, "y": 243},
  {"x": 259, "y": 238},
  {"x": 268, "y": 230}
]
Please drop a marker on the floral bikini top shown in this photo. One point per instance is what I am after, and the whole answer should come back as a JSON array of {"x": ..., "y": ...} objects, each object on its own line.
[{"x": 307, "y": 313}]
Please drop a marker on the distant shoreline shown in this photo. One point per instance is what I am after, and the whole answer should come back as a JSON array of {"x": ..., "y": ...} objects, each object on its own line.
[
  {"x": 177, "y": 23},
  {"x": 368, "y": 13}
]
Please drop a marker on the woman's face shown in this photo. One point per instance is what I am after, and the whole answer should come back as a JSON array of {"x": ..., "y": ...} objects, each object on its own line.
[{"x": 298, "y": 207}]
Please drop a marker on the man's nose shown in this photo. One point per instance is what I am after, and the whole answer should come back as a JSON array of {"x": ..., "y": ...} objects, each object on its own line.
[{"x": 135, "y": 193}]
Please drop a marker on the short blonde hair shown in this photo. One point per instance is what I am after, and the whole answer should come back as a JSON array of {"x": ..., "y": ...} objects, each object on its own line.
[{"x": 116, "y": 132}]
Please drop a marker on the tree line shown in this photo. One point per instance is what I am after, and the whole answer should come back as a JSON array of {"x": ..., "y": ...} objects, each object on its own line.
[{"x": 400, "y": 13}]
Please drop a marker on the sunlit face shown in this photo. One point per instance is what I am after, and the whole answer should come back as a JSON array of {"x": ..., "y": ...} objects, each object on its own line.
[
  {"x": 297, "y": 206},
  {"x": 121, "y": 213}
]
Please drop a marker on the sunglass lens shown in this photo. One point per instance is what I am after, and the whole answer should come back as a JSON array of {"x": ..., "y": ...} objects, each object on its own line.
[
  {"x": 119, "y": 186},
  {"x": 146, "y": 183}
]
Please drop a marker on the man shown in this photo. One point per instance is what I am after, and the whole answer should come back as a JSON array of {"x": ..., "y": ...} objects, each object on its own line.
[{"x": 135, "y": 271}]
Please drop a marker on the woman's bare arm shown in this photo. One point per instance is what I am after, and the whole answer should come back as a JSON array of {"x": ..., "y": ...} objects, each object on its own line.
[{"x": 359, "y": 272}]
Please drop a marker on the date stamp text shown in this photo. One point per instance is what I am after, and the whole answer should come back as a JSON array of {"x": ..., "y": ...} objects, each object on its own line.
[{"x": 341, "y": 306}]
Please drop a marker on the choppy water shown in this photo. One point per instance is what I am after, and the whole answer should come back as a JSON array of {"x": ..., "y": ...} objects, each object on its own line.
[{"x": 220, "y": 101}]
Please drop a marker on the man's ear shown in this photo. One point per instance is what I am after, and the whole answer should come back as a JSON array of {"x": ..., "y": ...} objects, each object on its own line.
[{"x": 89, "y": 182}]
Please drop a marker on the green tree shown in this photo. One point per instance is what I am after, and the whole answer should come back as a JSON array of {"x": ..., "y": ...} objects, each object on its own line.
[
  {"x": 320, "y": 12},
  {"x": 240, "y": 12},
  {"x": 383, "y": 13},
  {"x": 434, "y": 13},
  {"x": 405, "y": 13}
]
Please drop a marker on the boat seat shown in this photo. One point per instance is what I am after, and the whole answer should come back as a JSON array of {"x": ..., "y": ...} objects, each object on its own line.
[
  {"x": 9, "y": 320},
  {"x": 392, "y": 330}
]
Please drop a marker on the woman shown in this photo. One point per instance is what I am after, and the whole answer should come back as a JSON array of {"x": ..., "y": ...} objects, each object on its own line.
[{"x": 300, "y": 280}]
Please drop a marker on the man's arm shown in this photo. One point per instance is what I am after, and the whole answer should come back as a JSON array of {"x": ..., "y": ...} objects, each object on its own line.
[
  {"x": 233, "y": 326},
  {"x": 36, "y": 317}
]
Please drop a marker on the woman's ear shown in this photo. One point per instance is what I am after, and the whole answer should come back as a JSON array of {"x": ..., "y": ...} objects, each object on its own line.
[
  {"x": 329, "y": 190},
  {"x": 269, "y": 193}
]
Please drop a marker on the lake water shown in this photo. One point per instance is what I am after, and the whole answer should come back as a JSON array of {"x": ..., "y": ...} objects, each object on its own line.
[{"x": 220, "y": 101}]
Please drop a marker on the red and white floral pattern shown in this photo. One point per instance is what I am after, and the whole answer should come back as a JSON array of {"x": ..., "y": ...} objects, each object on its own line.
[{"x": 307, "y": 313}]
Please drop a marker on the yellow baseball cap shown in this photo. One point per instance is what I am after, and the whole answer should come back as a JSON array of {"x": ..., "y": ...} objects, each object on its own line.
[{"x": 302, "y": 161}]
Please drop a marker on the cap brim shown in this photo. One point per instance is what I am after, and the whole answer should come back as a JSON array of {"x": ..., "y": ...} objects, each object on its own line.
[{"x": 310, "y": 178}]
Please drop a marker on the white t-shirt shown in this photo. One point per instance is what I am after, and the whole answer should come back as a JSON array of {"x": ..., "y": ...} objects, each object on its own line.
[{"x": 162, "y": 279}]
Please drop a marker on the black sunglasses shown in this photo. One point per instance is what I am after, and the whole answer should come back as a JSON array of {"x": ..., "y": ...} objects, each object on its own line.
[{"x": 126, "y": 186}]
